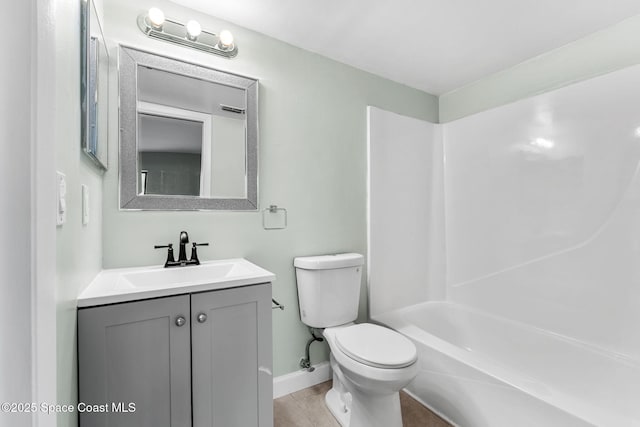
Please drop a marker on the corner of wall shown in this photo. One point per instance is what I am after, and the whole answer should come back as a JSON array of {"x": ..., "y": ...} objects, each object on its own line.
[
  {"x": 610, "y": 49},
  {"x": 78, "y": 246}
]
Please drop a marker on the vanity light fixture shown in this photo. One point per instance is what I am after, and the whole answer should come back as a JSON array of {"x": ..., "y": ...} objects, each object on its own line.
[
  {"x": 543, "y": 143},
  {"x": 154, "y": 24},
  {"x": 193, "y": 30},
  {"x": 156, "y": 18},
  {"x": 225, "y": 40}
]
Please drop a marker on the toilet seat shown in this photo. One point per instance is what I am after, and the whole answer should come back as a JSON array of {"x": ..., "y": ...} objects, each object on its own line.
[{"x": 376, "y": 346}]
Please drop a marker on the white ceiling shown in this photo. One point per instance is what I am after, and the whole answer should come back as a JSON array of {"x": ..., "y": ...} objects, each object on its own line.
[{"x": 436, "y": 46}]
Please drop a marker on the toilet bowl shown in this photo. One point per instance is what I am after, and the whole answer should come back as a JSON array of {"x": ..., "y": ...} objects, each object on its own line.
[{"x": 370, "y": 363}]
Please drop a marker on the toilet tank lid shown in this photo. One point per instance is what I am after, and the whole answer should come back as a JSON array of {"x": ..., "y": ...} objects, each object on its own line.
[{"x": 327, "y": 262}]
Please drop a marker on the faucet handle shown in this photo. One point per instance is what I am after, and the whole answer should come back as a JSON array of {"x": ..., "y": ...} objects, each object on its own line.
[
  {"x": 194, "y": 252},
  {"x": 170, "y": 257},
  {"x": 168, "y": 245}
]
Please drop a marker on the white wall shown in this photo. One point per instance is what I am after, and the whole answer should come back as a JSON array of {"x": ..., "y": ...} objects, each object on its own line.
[
  {"x": 27, "y": 259},
  {"x": 543, "y": 204},
  {"x": 405, "y": 216},
  {"x": 228, "y": 165},
  {"x": 15, "y": 220},
  {"x": 43, "y": 202}
]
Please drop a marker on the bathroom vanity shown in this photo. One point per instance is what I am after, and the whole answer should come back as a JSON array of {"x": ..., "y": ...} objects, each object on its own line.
[{"x": 177, "y": 347}]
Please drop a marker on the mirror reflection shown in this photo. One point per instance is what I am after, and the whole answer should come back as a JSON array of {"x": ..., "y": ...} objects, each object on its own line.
[
  {"x": 188, "y": 142},
  {"x": 189, "y": 137},
  {"x": 170, "y": 156}
]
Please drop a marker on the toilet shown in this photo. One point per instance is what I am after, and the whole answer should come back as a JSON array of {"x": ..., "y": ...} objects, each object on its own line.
[{"x": 370, "y": 363}]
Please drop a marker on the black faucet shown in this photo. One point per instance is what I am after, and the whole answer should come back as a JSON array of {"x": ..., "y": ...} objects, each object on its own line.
[
  {"x": 184, "y": 239},
  {"x": 182, "y": 255}
]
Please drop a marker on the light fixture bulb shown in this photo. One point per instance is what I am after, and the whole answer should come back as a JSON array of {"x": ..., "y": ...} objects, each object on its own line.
[
  {"x": 193, "y": 29},
  {"x": 226, "y": 39},
  {"x": 543, "y": 143},
  {"x": 156, "y": 17}
]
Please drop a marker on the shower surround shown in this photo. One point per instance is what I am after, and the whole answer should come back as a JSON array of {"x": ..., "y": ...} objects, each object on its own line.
[{"x": 540, "y": 202}]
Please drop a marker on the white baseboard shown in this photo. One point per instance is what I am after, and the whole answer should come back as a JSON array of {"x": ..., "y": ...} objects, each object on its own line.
[{"x": 289, "y": 383}]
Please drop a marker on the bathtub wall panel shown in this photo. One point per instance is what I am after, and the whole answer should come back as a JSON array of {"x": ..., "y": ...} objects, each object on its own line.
[
  {"x": 468, "y": 397},
  {"x": 543, "y": 210},
  {"x": 405, "y": 217}
]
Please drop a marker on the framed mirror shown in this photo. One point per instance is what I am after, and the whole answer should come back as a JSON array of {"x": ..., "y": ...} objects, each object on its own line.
[
  {"x": 188, "y": 135},
  {"x": 94, "y": 86}
]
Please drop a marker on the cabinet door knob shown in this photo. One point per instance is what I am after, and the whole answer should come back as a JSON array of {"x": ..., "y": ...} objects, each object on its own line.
[
  {"x": 202, "y": 317},
  {"x": 180, "y": 321}
]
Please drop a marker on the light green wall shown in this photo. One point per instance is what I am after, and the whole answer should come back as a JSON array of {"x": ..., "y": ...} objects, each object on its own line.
[
  {"x": 78, "y": 247},
  {"x": 608, "y": 50},
  {"x": 312, "y": 162}
]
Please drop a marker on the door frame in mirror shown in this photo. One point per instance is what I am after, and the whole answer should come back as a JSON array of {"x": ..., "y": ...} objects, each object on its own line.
[
  {"x": 194, "y": 116},
  {"x": 128, "y": 61}
]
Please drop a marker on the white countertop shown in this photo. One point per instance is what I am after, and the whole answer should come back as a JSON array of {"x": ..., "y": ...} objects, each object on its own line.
[{"x": 130, "y": 284}]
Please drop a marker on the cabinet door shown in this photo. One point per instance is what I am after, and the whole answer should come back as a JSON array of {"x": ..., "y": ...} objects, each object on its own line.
[
  {"x": 136, "y": 353},
  {"x": 231, "y": 356}
]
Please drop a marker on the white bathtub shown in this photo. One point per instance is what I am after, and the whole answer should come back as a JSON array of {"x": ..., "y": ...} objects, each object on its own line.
[{"x": 481, "y": 370}]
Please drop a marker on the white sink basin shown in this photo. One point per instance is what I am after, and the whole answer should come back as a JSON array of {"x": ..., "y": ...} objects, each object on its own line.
[
  {"x": 129, "y": 284},
  {"x": 203, "y": 273}
]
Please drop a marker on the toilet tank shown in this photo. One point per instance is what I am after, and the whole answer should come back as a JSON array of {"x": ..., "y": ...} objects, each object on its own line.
[{"x": 328, "y": 288}]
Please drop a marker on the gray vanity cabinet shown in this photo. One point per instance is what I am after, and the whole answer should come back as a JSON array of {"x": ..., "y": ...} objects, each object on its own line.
[
  {"x": 135, "y": 353},
  {"x": 231, "y": 356},
  {"x": 201, "y": 360}
]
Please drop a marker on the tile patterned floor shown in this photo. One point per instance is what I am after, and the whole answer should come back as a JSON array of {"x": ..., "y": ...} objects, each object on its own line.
[{"x": 306, "y": 408}]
